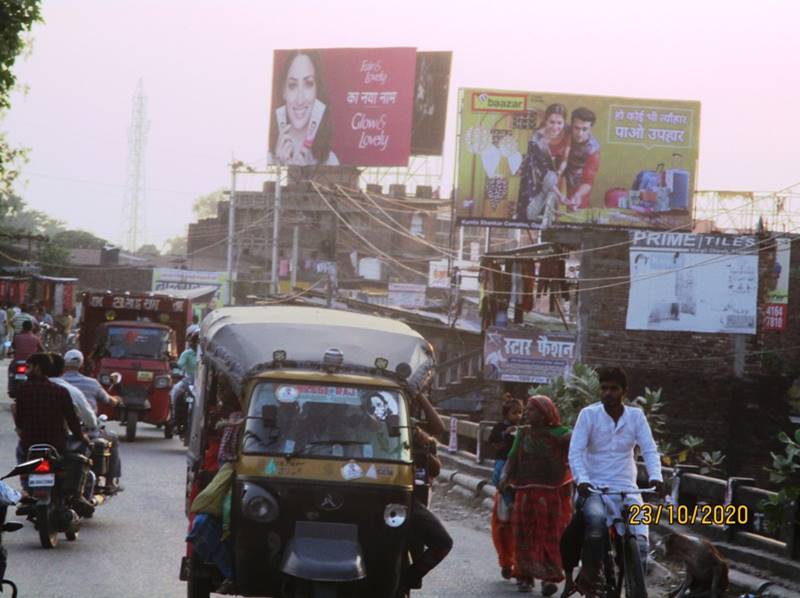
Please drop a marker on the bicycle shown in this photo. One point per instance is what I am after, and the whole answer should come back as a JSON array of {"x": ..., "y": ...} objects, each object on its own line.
[{"x": 621, "y": 563}]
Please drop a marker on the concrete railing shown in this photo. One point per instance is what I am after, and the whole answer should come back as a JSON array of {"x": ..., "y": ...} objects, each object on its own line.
[{"x": 738, "y": 518}]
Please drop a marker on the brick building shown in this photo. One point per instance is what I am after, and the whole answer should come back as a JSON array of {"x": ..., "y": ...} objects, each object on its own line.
[{"x": 365, "y": 228}]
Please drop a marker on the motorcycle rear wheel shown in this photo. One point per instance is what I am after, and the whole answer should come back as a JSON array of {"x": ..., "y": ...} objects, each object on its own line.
[
  {"x": 48, "y": 534},
  {"x": 169, "y": 431}
]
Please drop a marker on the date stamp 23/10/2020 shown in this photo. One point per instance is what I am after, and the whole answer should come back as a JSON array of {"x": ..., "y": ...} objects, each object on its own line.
[{"x": 648, "y": 514}]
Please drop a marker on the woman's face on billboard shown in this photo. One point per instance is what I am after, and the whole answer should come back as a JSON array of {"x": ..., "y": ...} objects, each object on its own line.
[
  {"x": 300, "y": 91},
  {"x": 554, "y": 125}
]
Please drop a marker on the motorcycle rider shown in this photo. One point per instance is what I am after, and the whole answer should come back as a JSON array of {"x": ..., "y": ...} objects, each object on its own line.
[
  {"x": 188, "y": 363},
  {"x": 42, "y": 408},
  {"x": 95, "y": 393},
  {"x": 25, "y": 344}
]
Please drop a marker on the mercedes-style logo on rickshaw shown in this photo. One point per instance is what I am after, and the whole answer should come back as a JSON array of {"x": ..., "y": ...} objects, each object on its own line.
[{"x": 332, "y": 501}]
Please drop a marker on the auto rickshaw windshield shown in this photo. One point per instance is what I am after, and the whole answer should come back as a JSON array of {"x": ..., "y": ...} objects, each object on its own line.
[
  {"x": 327, "y": 421},
  {"x": 123, "y": 342}
]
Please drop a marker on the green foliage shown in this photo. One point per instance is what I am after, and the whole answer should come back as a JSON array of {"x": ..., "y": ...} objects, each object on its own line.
[
  {"x": 78, "y": 239},
  {"x": 16, "y": 19},
  {"x": 206, "y": 205},
  {"x": 711, "y": 462},
  {"x": 785, "y": 471},
  {"x": 573, "y": 393},
  {"x": 53, "y": 257},
  {"x": 652, "y": 404},
  {"x": 176, "y": 245}
]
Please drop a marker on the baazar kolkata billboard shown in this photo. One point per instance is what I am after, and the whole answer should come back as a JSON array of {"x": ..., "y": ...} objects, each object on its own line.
[
  {"x": 533, "y": 160},
  {"x": 357, "y": 106}
]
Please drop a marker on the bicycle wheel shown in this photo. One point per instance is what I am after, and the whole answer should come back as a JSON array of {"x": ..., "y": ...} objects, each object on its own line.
[{"x": 634, "y": 571}]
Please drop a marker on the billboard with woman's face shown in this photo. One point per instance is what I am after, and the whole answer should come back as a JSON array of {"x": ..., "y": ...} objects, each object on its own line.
[
  {"x": 532, "y": 160},
  {"x": 348, "y": 106}
]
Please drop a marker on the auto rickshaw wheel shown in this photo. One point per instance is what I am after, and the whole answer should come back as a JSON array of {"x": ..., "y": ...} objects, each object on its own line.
[
  {"x": 168, "y": 430},
  {"x": 130, "y": 426}
]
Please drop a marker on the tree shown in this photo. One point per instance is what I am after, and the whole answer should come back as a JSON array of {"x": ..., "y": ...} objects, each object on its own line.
[
  {"x": 148, "y": 250},
  {"x": 176, "y": 245},
  {"x": 206, "y": 205},
  {"x": 78, "y": 239},
  {"x": 17, "y": 18}
]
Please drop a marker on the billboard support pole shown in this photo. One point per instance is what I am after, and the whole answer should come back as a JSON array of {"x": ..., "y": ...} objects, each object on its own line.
[
  {"x": 276, "y": 216},
  {"x": 295, "y": 243},
  {"x": 231, "y": 229}
]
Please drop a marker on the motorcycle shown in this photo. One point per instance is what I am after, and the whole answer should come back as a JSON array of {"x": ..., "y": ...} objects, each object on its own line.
[
  {"x": 182, "y": 400},
  {"x": 10, "y": 497},
  {"x": 17, "y": 374},
  {"x": 56, "y": 486}
]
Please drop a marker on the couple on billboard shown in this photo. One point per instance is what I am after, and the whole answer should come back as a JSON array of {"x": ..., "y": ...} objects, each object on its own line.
[
  {"x": 300, "y": 134},
  {"x": 560, "y": 165}
]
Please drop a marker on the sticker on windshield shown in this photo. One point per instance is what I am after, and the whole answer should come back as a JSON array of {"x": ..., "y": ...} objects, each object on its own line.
[
  {"x": 287, "y": 394},
  {"x": 371, "y": 473},
  {"x": 352, "y": 471},
  {"x": 337, "y": 450},
  {"x": 382, "y": 405},
  {"x": 366, "y": 451},
  {"x": 271, "y": 469},
  {"x": 288, "y": 446}
]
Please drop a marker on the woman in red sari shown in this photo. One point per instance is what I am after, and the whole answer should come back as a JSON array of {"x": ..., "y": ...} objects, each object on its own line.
[{"x": 538, "y": 470}]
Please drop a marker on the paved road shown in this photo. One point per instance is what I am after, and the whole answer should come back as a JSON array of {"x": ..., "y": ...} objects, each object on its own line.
[{"x": 132, "y": 546}]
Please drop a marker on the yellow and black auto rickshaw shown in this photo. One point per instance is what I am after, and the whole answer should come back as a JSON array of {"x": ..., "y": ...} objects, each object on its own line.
[{"x": 322, "y": 479}]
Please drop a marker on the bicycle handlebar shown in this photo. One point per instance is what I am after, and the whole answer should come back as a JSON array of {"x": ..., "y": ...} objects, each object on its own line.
[{"x": 594, "y": 490}]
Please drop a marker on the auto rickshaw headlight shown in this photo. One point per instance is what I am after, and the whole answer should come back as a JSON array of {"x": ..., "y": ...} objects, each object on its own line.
[
  {"x": 395, "y": 515},
  {"x": 259, "y": 504},
  {"x": 162, "y": 381}
]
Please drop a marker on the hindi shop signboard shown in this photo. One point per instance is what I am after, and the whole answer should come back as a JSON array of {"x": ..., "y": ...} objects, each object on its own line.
[
  {"x": 532, "y": 160},
  {"x": 693, "y": 282},
  {"x": 776, "y": 312},
  {"x": 169, "y": 279},
  {"x": 404, "y": 294},
  {"x": 520, "y": 355},
  {"x": 349, "y": 106}
]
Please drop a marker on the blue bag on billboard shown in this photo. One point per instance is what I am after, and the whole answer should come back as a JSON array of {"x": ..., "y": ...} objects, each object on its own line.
[
  {"x": 649, "y": 180},
  {"x": 677, "y": 180}
]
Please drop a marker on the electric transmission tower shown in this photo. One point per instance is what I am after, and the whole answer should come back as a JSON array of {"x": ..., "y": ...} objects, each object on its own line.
[{"x": 134, "y": 208}]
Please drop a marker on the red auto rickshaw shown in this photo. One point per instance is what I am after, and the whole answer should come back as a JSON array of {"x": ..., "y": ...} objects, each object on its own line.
[{"x": 137, "y": 336}]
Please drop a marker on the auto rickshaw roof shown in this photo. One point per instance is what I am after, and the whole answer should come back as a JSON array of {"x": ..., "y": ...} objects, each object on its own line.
[{"x": 240, "y": 341}]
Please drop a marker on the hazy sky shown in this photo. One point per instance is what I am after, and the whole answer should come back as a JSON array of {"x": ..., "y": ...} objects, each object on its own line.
[{"x": 206, "y": 68}]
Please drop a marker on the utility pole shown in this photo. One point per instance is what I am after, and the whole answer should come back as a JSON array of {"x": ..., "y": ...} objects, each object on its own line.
[
  {"x": 231, "y": 230},
  {"x": 276, "y": 216}
]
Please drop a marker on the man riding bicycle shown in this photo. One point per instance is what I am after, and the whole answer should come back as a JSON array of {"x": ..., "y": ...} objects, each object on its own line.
[{"x": 601, "y": 455}]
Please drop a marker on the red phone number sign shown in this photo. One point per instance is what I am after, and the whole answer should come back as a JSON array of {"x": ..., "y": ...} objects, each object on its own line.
[{"x": 775, "y": 316}]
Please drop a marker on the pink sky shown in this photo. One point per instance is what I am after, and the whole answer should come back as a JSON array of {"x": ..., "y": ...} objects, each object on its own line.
[{"x": 206, "y": 68}]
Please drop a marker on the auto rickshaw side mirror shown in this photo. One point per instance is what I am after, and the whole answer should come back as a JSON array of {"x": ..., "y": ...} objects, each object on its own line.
[
  {"x": 269, "y": 415},
  {"x": 393, "y": 425}
]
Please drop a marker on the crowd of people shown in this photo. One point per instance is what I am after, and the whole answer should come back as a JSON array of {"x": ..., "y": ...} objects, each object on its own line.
[
  {"x": 13, "y": 318},
  {"x": 545, "y": 515}
]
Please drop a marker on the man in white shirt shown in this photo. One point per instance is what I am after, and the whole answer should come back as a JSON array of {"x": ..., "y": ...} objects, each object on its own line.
[{"x": 601, "y": 455}]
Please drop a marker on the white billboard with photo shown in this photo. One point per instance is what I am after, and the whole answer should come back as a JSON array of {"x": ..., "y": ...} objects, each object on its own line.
[{"x": 693, "y": 282}]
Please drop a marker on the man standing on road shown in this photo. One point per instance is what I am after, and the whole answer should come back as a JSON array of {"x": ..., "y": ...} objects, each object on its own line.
[
  {"x": 95, "y": 393},
  {"x": 601, "y": 455}
]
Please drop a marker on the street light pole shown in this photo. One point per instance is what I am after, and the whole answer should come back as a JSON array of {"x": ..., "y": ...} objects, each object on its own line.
[
  {"x": 276, "y": 216},
  {"x": 231, "y": 229}
]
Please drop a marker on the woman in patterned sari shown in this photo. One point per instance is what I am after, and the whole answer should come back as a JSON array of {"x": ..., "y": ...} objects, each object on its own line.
[{"x": 538, "y": 470}]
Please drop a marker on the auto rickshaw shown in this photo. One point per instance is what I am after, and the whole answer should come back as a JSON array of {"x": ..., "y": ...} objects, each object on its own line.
[
  {"x": 322, "y": 486},
  {"x": 141, "y": 352}
]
